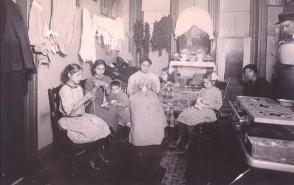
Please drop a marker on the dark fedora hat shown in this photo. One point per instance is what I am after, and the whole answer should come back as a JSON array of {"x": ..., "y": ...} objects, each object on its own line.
[{"x": 285, "y": 17}]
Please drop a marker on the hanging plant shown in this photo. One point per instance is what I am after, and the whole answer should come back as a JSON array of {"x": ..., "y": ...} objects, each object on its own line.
[
  {"x": 142, "y": 39},
  {"x": 161, "y": 36},
  {"x": 146, "y": 41},
  {"x": 138, "y": 34}
]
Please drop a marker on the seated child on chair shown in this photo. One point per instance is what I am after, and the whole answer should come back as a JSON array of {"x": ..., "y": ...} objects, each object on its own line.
[
  {"x": 209, "y": 100},
  {"x": 120, "y": 100},
  {"x": 81, "y": 127}
]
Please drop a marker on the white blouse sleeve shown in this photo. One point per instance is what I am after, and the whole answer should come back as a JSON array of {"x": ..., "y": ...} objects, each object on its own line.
[
  {"x": 132, "y": 85},
  {"x": 67, "y": 101}
]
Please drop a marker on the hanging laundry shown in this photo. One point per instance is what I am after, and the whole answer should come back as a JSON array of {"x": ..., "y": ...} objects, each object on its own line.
[
  {"x": 39, "y": 34},
  {"x": 63, "y": 23},
  {"x": 194, "y": 16},
  {"x": 88, "y": 43},
  {"x": 16, "y": 66},
  {"x": 112, "y": 32},
  {"x": 37, "y": 24},
  {"x": 109, "y": 33}
]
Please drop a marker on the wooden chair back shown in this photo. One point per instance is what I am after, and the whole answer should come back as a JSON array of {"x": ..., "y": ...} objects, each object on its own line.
[
  {"x": 54, "y": 103},
  {"x": 223, "y": 87}
]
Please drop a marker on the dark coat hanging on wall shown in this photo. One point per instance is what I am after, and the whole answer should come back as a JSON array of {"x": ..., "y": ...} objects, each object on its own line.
[
  {"x": 15, "y": 48},
  {"x": 16, "y": 65}
]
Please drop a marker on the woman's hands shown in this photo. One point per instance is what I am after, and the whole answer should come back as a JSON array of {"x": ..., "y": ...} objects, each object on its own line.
[
  {"x": 100, "y": 84},
  {"x": 199, "y": 101},
  {"x": 91, "y": 93},
  {"x": 144, "y": 86},
  {"x": 199, "y": 104}
]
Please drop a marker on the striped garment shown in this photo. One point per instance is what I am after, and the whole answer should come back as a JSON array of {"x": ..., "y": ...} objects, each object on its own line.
[{"x": 166, "y": 97}]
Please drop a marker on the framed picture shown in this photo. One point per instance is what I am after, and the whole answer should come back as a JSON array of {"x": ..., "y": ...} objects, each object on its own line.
[{"x": 106, "y": 7}]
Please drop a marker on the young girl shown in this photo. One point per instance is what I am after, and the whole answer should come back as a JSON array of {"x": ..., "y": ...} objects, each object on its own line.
[
  {"x": 209, "y": 100},
  {"x": 101, "y": 105},
  {"x": 81, "y": 127}
]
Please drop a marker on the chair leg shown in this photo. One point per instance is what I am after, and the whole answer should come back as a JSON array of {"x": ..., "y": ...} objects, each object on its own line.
[
  {"x": 93, "y": 165},
  {"x": 71, "y": 168},
  {"x": 106, "y": 161},
  {"x": 188, "y": 144},
  {"x": 175, "y": 144},
  {"x": 190, "y": 134}
]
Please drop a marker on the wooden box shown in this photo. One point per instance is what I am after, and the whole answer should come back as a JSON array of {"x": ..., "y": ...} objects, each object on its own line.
[{"x": 274, "y": 150}]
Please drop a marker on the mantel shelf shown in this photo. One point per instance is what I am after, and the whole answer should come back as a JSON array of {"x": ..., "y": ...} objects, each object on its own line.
[{"x": 181, "y": 64}]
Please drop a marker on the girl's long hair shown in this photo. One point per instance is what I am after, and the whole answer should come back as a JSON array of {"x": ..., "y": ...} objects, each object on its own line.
[{"x": 70, "y": 69}]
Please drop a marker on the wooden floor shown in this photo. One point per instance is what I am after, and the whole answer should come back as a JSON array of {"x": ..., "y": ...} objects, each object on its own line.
[{"x": 219, "y": 164}]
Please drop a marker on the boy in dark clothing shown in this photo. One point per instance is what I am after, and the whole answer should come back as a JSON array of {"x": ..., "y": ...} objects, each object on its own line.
[{"x": 121, "y": 101}]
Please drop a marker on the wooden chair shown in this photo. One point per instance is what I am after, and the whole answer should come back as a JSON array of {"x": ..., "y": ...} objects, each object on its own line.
[
  {"x": 223, "y": 87},
  {"x": 64, "y": 148}
]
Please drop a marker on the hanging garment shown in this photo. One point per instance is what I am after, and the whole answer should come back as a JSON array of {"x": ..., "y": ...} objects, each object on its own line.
[
  {"x": 194, "y": 16},
  {"x": 15, "y": 51},
  {"x": 16, "y": 62},
  {"x": 37, "y": 24},
  {"x": 63, "y": 23},
  {"x": 39, "y": 33},
  {"x": 88, "y": 44},
  {"x": 112, "y": 32}
]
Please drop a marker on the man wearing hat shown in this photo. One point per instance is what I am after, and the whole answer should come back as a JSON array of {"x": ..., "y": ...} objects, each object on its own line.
[{"x": 286, "y": 21}]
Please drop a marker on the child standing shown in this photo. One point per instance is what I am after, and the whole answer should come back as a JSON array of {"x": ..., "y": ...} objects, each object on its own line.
[
  {"x": 166, "y": 97},
  {"x": 120, "y": 100}
]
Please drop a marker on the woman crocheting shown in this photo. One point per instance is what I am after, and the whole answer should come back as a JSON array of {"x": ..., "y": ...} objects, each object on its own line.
[{"x": 147, "y": 115}]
